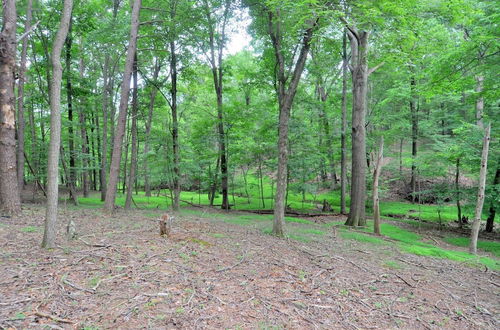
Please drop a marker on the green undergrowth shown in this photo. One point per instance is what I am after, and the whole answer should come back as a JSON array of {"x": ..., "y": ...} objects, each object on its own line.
[{"x": 488, "y": 246}]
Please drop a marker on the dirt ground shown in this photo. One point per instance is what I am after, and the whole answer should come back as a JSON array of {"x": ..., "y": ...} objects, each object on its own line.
[{"x": 119, "y": 273}]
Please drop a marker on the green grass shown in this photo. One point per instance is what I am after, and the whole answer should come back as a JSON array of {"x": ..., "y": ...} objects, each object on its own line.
[
  {"x": 30, "y": 229},
  {"x": 488, "y": 246},
  {"x": 360, "y": 237}
]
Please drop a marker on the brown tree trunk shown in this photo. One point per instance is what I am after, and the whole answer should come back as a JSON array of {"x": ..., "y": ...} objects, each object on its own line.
[
  {"x": 376, "y": 175},
  {"x": 457, "y": 193},
  {"x": 476, "y": 225},
  {"x": 20, "y": 100},
  {"x": 55, "y": 128},
  {"x": 10, "y": 200},
  {"x": 343, "y": 160},
  {"x": 83, "y": 134},
  {"x": 154, "y": 91},
  {"x": 133, "y": 156},
  {"x": 104, "y": 150},
  {"x": 359, "y": 52},
  {"x": 414, "y": 139},
  {"x": 71, "y": 139},
  {"x": 175, "y": 123},
  {"x": 122, "y": 116},
  {"x": 286, "y": 95},
  {"x": 492, "y": 212}
]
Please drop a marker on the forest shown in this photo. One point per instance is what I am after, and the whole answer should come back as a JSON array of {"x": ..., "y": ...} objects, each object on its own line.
[{"x": 242, "y": 164}]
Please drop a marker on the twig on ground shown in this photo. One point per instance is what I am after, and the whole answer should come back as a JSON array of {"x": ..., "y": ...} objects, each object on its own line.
[{"x": 53, "y": 317}]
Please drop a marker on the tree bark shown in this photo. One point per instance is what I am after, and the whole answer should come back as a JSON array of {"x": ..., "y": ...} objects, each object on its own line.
[
  {"x": 20, "y": 100},
  {"x": 133, "y": 156},
  {"x": 122, "y": 115},
  {"x": 175, "y": 123},
  {"x": 55, "y": 128},
  {"x": 71, "y": 139},
  {"x": 83, "y": 133},
  {"x": 414, "y": 139},
  {"x": 492, "y": 212},
  {"x": 480, "y": 100},
  {"x": 152, "y": 99},
  {"x": 376, "y": 175},
  {"x": 10, "y": 200},
  {"x": 457, "y": 192},
  {"x": 359, "y": 52},
  {"x": 343, "y": 148},
  {"x": 104, "y": 150},
  {"x": 476, "y": 225},
  {"x": 286, "y": 95}
]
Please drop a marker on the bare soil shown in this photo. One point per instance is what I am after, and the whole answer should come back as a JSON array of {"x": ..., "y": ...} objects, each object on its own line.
[{"x": 119, "y": 273}]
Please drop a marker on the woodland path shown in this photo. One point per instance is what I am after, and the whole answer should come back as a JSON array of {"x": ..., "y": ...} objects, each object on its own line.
[{"x": 213, "y": 274}]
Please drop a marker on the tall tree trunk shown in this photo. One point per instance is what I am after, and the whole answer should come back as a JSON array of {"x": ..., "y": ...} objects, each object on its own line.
[
  {"x": 328, "y": 136},
  {"x": 10, "y": 200},
  {"x": 55, "y": 128},
  {"x": 104, "y": 150},
  {"x": 122, "y": 116},
  {"x": 133, "y": 157},
  {"x": 376, "y": 175},
  {"x": 457, "y": 192},
  {"x": 476, "y": 225},
  {"x": 20, "y": 100},
  {"x": 492, "y": 212},
  {"x": 71, "y": 138},
  {"x": 175, "y": 123},
  {"x": 154, "y": 91},
  {"x": 286, "y": 95},
  {"x": 83, "y": 133},
  {"x": 479, "y": 101},
  {"x": 359, "y": 52},
  {"x": 414, "y": 139},
  {"x": 343, "y": 148}
]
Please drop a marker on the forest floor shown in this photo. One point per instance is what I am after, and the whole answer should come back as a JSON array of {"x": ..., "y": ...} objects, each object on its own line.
[{"x": 222, "y": 270}]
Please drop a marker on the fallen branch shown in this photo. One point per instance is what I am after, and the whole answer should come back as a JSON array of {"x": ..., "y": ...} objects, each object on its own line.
[{"x": 53, "y": 317}]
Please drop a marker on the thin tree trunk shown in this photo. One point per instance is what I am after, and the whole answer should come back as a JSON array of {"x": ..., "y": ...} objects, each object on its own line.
[
  {"x": 71, "y": 179},
  {"x": 10, "y": 200},
  {"x": 479, "y": 101},
  {"x": 476, "y": 225},
  {"x": 175, "y": 124},
  {"x": 401, "y": 158},
  {"x": 133, "y": 157},
  {"x": 55, "y": 128},
  {"x": 457, "y": 193},
  {"x": 20, "y": 100},
  {"x": 261, "y": 184},
  {"x": 492, "y": 212},
  {"x": 376, "y": 175},
  {"x": 83, "y": 133},
  {"x": 343, "y": 148},
  {"x": 104, "y": 150},
  {"x": 122, "y": 116},
  {"x": 414, "y": 139},
  {"x": 154, "y": 91},
  {"x": 125, "y": 161},
  {"x": 214, "y": 183}
]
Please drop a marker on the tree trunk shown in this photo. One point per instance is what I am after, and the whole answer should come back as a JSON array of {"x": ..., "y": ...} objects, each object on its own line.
[
  {"x": 476, "y": 225},
  {"x": 10, "y": 200},
  {"x": 492, "y": 212},
  {"x": 359, "y": 52},
  {"x": 175, "y": 124},
  {"x": 286, "y": 95},
  {"x": 154, "y": 91},
  {"x": 83, "y": 134},
  {"x": 261, "y": 184},
  {"x": 133, "y": 156},
  {"x": 414, "y": 139},
  {"x": 343, "y": 148},
  {"x": 55, "y": 128},
  {"x": 479, "y": 101},
  {"x": 457, "y": 193},
  {"x": 20, "y": 101},
  {"x": 69, "y": 93},
  {"x": 122, "y": 116},
  {"x": 376, "y": 175},
  {"x": 104, "y": 150}
]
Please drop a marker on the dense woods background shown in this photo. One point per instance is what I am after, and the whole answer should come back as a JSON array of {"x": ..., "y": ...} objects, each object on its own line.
[{"x": 275, "y": 118}]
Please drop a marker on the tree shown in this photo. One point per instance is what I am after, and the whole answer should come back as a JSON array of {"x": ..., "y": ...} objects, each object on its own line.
[
  {"x": 376, "y": 175},
  {"x": 10, "y": 200},
  {"x": 55, "y": 128},
  {"x": 122, "y": 115},
  {"x": 360, "y": 73},
  {"x": 476, "y": 225}
]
